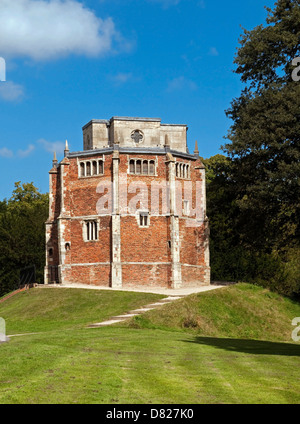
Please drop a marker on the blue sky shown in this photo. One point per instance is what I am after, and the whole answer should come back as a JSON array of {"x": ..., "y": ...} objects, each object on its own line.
[{"x": 68, "y": 62}]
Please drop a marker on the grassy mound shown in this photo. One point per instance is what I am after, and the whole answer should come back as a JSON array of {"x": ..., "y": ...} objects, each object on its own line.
[
  {"x": 242, "y": 311},
  {"x": 50, "y": 309},
  {"x": 194, "y": 352}
]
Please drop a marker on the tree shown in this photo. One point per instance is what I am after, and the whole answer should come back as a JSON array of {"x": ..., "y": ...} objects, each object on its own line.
[
  {"x": 266, "y": 53},
  {"x": 221, "y": 213},
  {"x": 22, "y": 234},
  {"x": 265, "y": 135}
]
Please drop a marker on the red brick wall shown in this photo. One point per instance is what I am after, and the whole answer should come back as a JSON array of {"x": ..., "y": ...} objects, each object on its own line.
[
  {"x": 191, "y": 276},
  {"x": 192, "y": 243},
  {"x": 90, "y": 251},
  {"x": 145, "y": 252},
  {"x": 98, "y": 275},
  {"x": 82, "y": 196},
  {"x": 155, "y": 275},
  {"x": 144, "y": 244}
]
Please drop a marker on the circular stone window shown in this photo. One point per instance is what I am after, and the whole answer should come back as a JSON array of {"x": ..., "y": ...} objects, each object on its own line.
[{"x": 137, "y": 136}]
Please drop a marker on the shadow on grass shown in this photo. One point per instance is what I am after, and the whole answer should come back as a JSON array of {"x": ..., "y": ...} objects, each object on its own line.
[{"x": 254, "y": 347}]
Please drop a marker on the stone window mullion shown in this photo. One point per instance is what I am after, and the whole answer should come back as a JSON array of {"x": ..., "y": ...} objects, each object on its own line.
[{"x": 91, "y": 231}]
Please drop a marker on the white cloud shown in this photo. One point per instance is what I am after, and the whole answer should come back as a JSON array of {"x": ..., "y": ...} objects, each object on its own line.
[
  {"x": 25, "y": 153},
  {"x": 42, "y": 30},
  {"x": 55, "y": 146},
  {"x": 6, "y": 153},
  {"x": 10, "y": 91},
  {"x": 121, "y": 78},
  {"x": 181, "y": 83}
]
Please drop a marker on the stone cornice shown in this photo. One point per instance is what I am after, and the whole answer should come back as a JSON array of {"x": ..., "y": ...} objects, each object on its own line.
[{"x": 132, "y": 150}]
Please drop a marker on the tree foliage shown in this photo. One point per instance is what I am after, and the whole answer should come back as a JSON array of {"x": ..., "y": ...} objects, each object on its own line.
[
  {"x": 266, "y": 53},
  {"x": 22, "y": 234},
  {"x": 256, "y": 235},
  {"x": 265, "y": 135}
]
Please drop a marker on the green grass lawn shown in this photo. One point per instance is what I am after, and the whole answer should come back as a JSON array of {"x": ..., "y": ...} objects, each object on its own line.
[
  {"x": 239, "y": 311},
  {"x": 52, "y": 309},
  {"x": 160, "y": 358}
]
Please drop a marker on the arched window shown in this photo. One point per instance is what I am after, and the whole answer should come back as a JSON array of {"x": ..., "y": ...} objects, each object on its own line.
[
  {"x": 131, "y": 166},
  {"x": 88, "y": 169},
  {"x": 144, "y": 219},
  {"x": 82, "y": 171},
  {"x": 95, "y": 171},
  {"x": 91, "y": 230},
  {"x": 138, "y": 167},
  {"x": 101, "y": 167},
  {"x": 182, "y": 170},
  {"x": 93, "y": 168},
  {"x": 152, "y": 167},
  {"x": 145, "y": 167},
  {"x": 95, "y": 226}
]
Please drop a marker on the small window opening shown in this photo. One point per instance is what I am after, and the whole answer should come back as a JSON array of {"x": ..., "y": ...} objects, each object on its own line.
[
  {"x": 145, "y": 167},
  {"x": 82, "y": 169},
  {"x": 152, "y": 168},
  {"x": 88, "y": 169},
  {"x": 138, "y": 167},
  {"x": 131, "y": 166},
  {"x": 91, "y": 230},
  {"x": 144, "y": 219}
]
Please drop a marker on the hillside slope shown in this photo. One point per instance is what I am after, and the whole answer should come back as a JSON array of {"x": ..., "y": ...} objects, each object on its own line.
[
  {"x": 48, "y": 309},
  {"x": 193, "y": 351},
  {"x": 241, "y": 311}
]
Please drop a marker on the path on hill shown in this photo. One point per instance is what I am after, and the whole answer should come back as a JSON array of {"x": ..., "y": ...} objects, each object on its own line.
[
  {"x": 172, "y": 295},
  {"x": 145, "y": 289},
  {"x": 176, "y": 295}
]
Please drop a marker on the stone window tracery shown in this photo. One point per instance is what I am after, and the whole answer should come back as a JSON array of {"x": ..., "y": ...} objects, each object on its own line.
[
  {"x": 137, "y": 136},
  {"x": 183, "y": 170},
  {"x": 144, "y": 219},
  {"x": 91, "y": 230},
  {"x": 91, "y": 168},
  {"x": 142, "y": 167}
]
